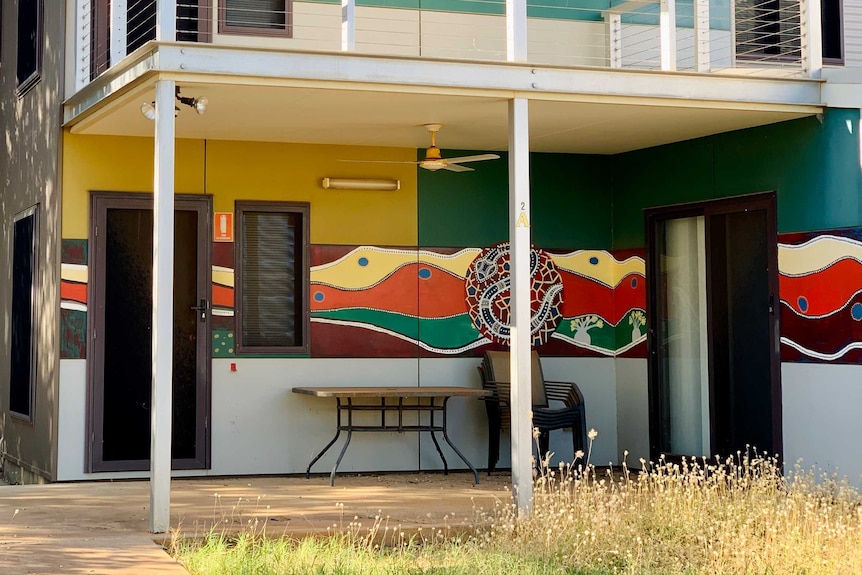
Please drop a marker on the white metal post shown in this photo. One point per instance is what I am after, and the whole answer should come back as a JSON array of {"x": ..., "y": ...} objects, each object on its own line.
[
  {"x": 516, "y": 30},
  {"x": 83, "y": 39},
  {"x": 667, "y": 29},
  {"x": 520, "y": 340},
  {"x": 615, "y": 39},
  {"x": 812, "y": 37},
  {"x": 166, "y": 21},
  {"x": 163, "y": 309},
  {"x": 118, "y": 30},
  {"x": 701, "y": 36},
  {"x": 348, "y": 25}
]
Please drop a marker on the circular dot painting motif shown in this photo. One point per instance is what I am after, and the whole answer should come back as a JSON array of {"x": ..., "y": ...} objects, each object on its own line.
[{"x": 488, "y": 292}]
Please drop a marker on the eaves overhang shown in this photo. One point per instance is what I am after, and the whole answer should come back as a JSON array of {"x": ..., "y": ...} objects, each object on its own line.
[{"x": 364, "y": 100}]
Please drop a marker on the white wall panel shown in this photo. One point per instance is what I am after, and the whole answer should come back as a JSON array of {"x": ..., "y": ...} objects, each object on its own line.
[
  {"x": 822, "y": 425},
  {"x": 632, "y": 410},
  {"x": 468, "y": 419},
  {"x": 260, "y": 426},
  {"x": 72, "y": 419},
  {"x": 387, "y": 31},
  {"x": 852, "y": 33}
]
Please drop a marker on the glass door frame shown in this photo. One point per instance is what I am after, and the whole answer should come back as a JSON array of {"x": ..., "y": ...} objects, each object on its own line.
[
  {"x": 100, "y": 203},
  {"x": 653, "y": 217}
]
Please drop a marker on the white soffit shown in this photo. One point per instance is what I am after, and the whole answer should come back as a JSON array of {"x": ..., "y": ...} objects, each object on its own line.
[{"x": 375, "y": 118}]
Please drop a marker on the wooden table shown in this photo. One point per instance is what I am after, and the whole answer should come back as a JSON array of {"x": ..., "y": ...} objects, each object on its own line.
[{"x": 437, "y": 399}]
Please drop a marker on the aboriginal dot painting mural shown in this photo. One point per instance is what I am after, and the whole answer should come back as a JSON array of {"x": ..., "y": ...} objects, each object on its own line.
[
  {"x": 821, "y": 296},
  {"x": 386, "y": 302},
  {"x": 73, "y": 299},
  {"x": 369, "y": 301}
]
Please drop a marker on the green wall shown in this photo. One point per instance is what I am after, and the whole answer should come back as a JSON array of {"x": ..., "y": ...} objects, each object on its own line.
[
  {"x": 571, "y": 202},
  {"x": 597, "y": 202},
  {"x": 813, "y": 165}
]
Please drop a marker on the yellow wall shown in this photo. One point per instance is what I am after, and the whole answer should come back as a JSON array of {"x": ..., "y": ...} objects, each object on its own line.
[{"x": 251, "y": 171}]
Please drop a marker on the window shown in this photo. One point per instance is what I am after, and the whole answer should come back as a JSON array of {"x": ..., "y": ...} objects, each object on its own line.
[
  {"x": 272, "y": 272},
  {"x": 23, "y": 316},
  {"x": 831, "y": 25},
  {"x": 255, "y": 17},
  {"x": 29, "y": 44}
]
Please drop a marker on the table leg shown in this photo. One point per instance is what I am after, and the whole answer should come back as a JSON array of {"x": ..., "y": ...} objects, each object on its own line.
[
  {"x": 332, "y": 441},
  {"x": 340, "y": 456},
  {"x": 319, "y": 455},
  {"x": 436, "y": 443},
  {"x": 455, "y": 449}
]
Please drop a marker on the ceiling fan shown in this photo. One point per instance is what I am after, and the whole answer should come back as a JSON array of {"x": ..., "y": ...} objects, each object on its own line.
[{"x": 434, "y": 161}]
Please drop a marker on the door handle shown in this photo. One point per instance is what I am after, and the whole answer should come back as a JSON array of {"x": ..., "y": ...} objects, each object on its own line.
[{"x": 202, "y": 308}]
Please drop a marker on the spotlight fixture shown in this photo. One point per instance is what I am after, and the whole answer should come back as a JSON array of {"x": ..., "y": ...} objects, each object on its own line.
[
  {"x": 148, "y": 109},
  {"x": 199, "y": 104},
  {"x": 387, "y": 185}
]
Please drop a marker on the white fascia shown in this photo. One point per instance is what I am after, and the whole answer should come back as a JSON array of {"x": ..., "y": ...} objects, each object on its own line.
[{"x": 221, "y": 64}]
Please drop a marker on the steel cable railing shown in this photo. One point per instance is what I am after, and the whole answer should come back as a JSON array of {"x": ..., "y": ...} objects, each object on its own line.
[{"x": 754, "y": 36}]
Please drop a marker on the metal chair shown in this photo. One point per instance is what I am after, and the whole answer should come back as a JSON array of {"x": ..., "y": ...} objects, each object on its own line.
[{"x": 495, "y": 378}]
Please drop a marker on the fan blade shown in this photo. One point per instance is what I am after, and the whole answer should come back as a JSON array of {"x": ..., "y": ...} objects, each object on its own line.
[
  {"x": 457, "y": 168},
  {"x": 380, "y": 162},
  {"x": 479, "y": 158}
]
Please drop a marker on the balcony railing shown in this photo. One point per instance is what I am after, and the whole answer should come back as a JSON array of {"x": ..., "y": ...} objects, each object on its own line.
[{"x": 770, "y": 37}]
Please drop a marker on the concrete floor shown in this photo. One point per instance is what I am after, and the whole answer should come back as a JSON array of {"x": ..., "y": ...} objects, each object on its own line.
[{"x": 101, "y": 527}]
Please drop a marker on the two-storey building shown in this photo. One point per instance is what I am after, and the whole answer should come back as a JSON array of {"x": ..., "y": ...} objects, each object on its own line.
[{"x": 686, "y": 172}]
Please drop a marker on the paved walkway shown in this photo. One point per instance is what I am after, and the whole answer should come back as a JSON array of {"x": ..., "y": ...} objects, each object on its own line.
[{"x": 101, "y": 527}]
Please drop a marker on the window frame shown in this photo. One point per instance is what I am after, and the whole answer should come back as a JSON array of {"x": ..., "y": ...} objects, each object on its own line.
[
  {"x": 832, "y": 61},
  {"x": 25, "y": 85},
  {"x": 286, "y": 32},
  {"x": 303, "y": 319},
  {"x": 33, "y": 212}
]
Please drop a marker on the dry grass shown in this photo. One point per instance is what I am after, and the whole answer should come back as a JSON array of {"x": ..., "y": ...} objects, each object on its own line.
[{"x": 738, "y": 516}]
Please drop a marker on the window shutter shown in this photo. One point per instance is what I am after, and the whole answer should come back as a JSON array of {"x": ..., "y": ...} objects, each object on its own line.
[
  {"x": 271, "y": 279},
  {"x": 264, "y": 14}
]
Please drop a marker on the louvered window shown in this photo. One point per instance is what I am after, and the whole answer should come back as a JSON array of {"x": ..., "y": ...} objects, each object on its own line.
[
  {"x": 271, "y": 269},
  {"x": 22, "y": 319},
  {"x": 255, "y": 17}
]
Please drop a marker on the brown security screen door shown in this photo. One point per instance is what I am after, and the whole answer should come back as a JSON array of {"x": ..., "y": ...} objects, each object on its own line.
[
  {"x": 714, "y": 380},
  {"x": 121, "y": 270}
]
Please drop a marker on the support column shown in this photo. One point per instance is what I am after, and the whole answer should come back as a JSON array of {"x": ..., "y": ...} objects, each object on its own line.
[
  {"x": 519, "y": 274},
  {"x": 163, "y": 309},
  {"x": 348, "y": 25},
  {"x": 702, "y": 46},
  {"x": 118, "y": 30},
  {"x": 82, "y": 43},
  {"x": 519, "y": 357},
  {"x": 516, "y": 30},
  {"x": 812, "y": 37},
  {"x": 667, "y": 29},
  {"x": 166, "y": 21},
  {"x": 615, "y": 39}
]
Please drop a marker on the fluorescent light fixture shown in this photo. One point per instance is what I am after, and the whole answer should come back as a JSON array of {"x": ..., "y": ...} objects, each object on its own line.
[{"x": 388, "y": 185}]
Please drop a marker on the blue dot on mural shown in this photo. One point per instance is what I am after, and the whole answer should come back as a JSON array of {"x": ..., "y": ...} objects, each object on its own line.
[
  {"x": 634, "y": 282},
  {"x": 424, "y": 273},
  {"x": 506, "y": 266},
  {"x": 318, "y": 296},
  {"x": 362, "y": 261},
  {"x": 856, "y": 311},
  {"x": 802, "y": 302},
  {"x": 594, "y": 260}
]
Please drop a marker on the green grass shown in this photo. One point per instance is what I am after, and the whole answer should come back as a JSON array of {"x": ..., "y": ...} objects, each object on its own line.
[{"x": 739, "y": 516}]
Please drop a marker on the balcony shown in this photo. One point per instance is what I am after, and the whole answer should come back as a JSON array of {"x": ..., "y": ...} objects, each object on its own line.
[{"x": 774, "y": 38}]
